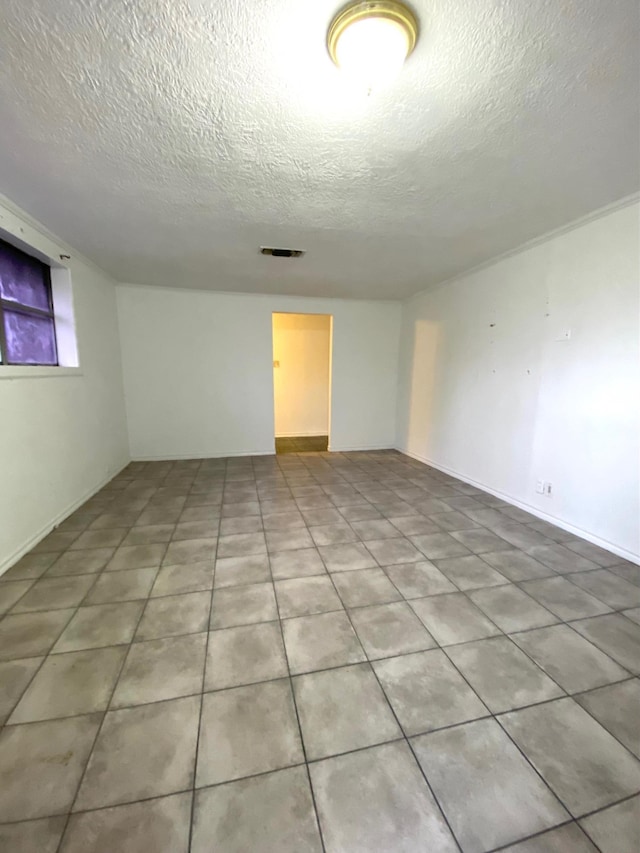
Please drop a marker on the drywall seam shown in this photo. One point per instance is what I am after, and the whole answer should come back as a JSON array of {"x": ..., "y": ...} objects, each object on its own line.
[
  {"x": 544, "y": 516},
  {"x": 6, "y": 564}
]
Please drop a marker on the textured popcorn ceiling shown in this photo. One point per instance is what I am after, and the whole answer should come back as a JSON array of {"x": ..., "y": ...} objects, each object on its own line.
[{"x": 169, "y": 139}]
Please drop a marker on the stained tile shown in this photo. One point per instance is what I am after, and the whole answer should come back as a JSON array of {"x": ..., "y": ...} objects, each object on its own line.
[
  {"x": 414, "y": 525},
  {"x": 247, "y": 730},
  {"x": 161, "y": 669},
  {"x": 110, "y": 538},
  {"x": 70, "y": 684},
  {"x": 580, "y": 761},
  {"x": 490, "y": 794},
  {"x": 390, "y": 629},
  {"x": 41, "y": 765},
  {"x": 242, "y": 605},
  {"x": 29, "y": 634},
  {"x": 100, "y": 625},
  {"x": 270, "y": 812},
  {"x": 566, "y": 839},
  {"x": 347, "y": 558},
  {"x": 121, "y": 586},
  {"x": 427, "y": 692},
  {"x": 617, "y": 708},
  {"x": 141, "y": 752},
  {"x": 502, "y": 675},
  {"x": 80, "y": 562},
  {"x": 333, "y": 534},
  {"x": 395, "y": 813},
  {"x": 29, "y": 567},
  {"x": 453, "y": 619},
  {"x": 564, "y": 598},
  {"x": 321, "y": 641},
  {"x": 159, "y": 825},
  {"x": 604, "y": 585},
  {"x": 561, "y": 559},
  {"x": 305, "y": 596},
  {"x": 15, "y": 676},
  {"x": 416, "y": 580},
  {"x": 173, "y": 615},
  {"x": 470, "y": 572},
  {"x": 136, "y": 557},
  {"x": 243, "y": 655},
  {"x": 197, "y": 550},
  {"x": 33, "y": 836},
  {"x": 450, "y": 521},
  {"x": 616, "y": 828},
  {"x": 297, "y": 563},
  {"x": 390, "y": 552},
  {"x": 481, "y": 541},
  {"x": 288, "y": 540},
  {"x": 233, "y": 571},
  {"x": 148, "y": 535},
  {"x": 174, "y": 580},
  {"x": 376, "y": 529},
  {"x": 11, "y": 592},
  {"x": 511, "y": 609},
  {"x": 202, "y": 530},
  {"x": 592, "y": 552},
  {"x": 516, "y": 565}
]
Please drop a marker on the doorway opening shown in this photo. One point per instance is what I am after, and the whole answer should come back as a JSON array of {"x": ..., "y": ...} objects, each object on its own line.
[{"x": 302, "y": 381}]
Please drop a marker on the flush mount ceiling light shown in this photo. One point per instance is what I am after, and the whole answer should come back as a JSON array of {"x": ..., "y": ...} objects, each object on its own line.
[{"x": 371, "y": 40}]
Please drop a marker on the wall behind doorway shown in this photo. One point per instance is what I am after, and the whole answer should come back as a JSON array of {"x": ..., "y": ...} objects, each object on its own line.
[{"x": 301, "y": 374}]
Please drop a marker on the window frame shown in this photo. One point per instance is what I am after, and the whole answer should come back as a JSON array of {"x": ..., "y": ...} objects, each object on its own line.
[{"x": 20, "y": 308}]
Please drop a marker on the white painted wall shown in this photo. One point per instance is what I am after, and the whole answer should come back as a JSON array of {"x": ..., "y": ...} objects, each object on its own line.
[
  {"x": 491, "y": 391},
  {"x": 301, "y": 355},
  {"x": 198, "y": 371},
  {"x": 62, "y": 430}
]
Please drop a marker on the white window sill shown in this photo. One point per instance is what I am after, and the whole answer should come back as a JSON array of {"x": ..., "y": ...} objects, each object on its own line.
[{"x": 10, "y": 371}]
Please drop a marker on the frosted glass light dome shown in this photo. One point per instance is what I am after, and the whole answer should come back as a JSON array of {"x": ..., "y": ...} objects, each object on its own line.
[{"x": 370, "y": 41}]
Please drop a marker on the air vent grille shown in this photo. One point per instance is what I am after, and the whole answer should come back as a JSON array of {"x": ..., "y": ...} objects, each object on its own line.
[{"x": 281, "y": 253}]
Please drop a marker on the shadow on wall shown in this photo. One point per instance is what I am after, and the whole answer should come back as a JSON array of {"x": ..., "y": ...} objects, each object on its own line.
[{"x": 424, "y": 346}]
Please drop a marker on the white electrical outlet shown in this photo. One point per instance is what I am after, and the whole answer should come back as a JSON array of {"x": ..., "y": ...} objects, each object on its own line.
[
  {"x": 547, "y": 489},
  {"x": 540, "y": 487}
]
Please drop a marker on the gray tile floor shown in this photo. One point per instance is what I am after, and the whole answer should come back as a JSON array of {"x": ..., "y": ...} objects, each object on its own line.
[{"x": 342, "y": 652}]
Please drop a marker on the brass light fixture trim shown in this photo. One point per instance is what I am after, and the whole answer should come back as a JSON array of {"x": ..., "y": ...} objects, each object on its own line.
[{"x": 390, "y": 9}]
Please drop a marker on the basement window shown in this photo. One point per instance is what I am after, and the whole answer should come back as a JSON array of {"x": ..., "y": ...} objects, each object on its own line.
[{"x": 27, "y": 320}]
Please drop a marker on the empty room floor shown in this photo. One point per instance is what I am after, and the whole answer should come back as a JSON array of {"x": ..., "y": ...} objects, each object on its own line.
[{"x": 340, "y": 652}]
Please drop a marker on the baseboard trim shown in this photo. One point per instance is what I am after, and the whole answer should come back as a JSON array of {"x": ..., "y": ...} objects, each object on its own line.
[
  {"x": 544, "y": 516},
  {"x": 360, "y": 448},
  {"x": 200, "y": 455},
  {"x": 300, "y": 434},
  {"x": 6, "y": 564}
]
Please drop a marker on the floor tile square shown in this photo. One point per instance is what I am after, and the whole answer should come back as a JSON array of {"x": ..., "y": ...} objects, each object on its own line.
[
  {"x": 11, "y": 592},
  {"x": 561, "y": 559},
  {"x": 198, "y": 550},
  {"x": 416, "y": 580},
  {"x": 376, "y": 529},
  {"x": 320, "y": 517},
  {"x": 604, "y": 585},
  {"x": 490, "y": 794},
  {"x": 247, "y": 730},
  {"x": 470, "y": 572},
  {"x": 566, "y": 839},
  {"x": 502, "y": 675},
  {"x": 161, "y": 669},
  {"x": 110, "y": 538},
  {"x": 130, "y": 585},
  {"x": 617, "y": 708},
  {"x": 364, "y": 587},
  {"x": 174, "y": 615},
  {"x": 347, "y": 558},
  {"x": 453, "y": 619},
  {"x": 359, "y": 512},
  {"x": 616, "y": 828},
  {"x": 100, "y": 625},
  {"x": 70, "y": 684},
  {"x": 136, "y": 557},
  {"x": 629, "y": 571},
  {"x": 244, "y": 655},
  {"x": 152, "y": 534},
  {"x": 174, "y": 580},
  {"x": 159, "y": 825},
  {"x": 414, "y": 525},
  {"x": 243, "y": 605},
  {"x": 33, "y": 836},
  {"x": 573, "y": 662},
  {"x": 427, "y": 692},
  {"x": 30, "y": 567},
  {"x": 233, "y": 571},
  {"x": 288, "y": 540},
  {"x": 41, "y": 765},
  {"x": 512, "y": 609},
  {"x": 597, "y": 555},
  {"x": 305, "y": 596},
  {"x": 451, "y": 521},
  {"x": 283, "y": 520},
  {"x": 80, "y": 562},
  {"x": 615, "y": 635},
  {"x": 390, "y": 629},
  {"x": 377, "y": 800},
  {"x": 516, "y": 565},
  {"x": 481, "y": 541},
  {"x": 563, "y": 598},
  {"x": 142, "y": 752},
  {"x": 54, "y": 593},
  {"x": 30, "y": 634},
  {"x": 205, "y": 529},
  {"x": 341, "y": 710},
  {"x": 332, "y": 534},
  {"x": 321, "y": 641},
  {"x": 580, "y": 761},
  {"x": 390, "y": 552},
  {"x": 15, "y": 676},
  {"x": 273, "y": 812}
]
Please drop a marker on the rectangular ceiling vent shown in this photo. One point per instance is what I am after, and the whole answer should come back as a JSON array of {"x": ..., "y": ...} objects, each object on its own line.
[{"x": 281, "y": 253}]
